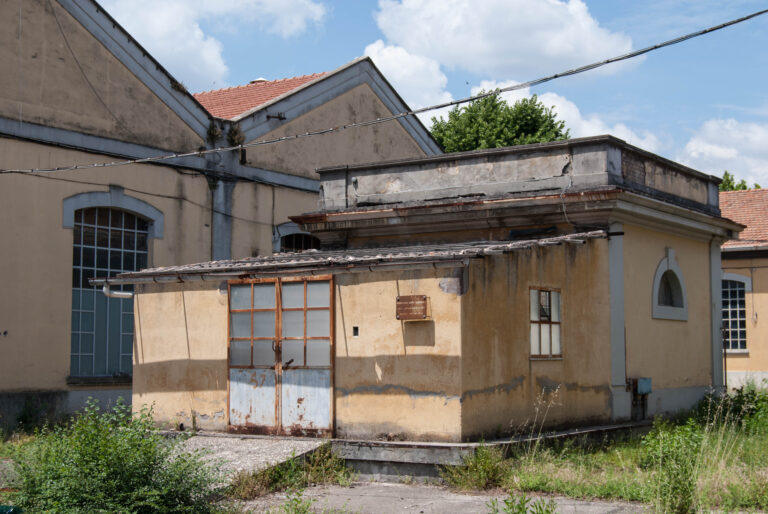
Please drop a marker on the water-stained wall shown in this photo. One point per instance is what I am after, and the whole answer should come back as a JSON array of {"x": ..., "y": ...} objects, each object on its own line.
[
  {"x": 675, "y": 354},
  {"x": 503, "y": 387},
  {"x": 55, "y": 73},
  {"x": 398, "y": 379},
  {"x": 180, "y": 353}
]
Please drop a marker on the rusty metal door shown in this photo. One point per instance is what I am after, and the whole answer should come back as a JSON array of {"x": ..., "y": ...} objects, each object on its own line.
[{"x": 280, "y": 356}]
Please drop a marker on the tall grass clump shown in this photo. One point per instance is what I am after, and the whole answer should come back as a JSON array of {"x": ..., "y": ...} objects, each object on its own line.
[
  {"x": 483, "y": 469},
  {"x": 112, "y": 461}
]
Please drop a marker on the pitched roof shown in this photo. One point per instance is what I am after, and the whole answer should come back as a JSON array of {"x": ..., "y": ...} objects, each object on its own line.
[
  {"x": 326, "y": 261},
  {"x": 231, "y": 102},
  {"x": 749, "y": 208}
]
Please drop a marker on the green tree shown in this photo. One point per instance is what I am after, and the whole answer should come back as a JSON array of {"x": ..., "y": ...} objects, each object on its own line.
[
  {"x": 491, "y": 123},
  {"x": 729, "y": 183}
]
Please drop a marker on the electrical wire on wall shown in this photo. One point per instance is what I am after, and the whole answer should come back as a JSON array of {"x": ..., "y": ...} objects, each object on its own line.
[{"x": 524, "y": 85}]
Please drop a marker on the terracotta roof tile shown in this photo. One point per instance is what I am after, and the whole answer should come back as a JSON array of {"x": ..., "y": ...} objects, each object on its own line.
[
  {"x": 749, "y": 208},
  {"x": 231, "y": 102}
]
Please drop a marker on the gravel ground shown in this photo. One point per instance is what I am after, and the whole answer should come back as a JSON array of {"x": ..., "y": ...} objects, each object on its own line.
[
  {"x": 250, "y": 453},
  {"x": 385, "y": 498}
]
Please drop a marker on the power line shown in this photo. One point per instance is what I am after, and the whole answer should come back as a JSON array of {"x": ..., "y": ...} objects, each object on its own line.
[{"x": 397, "y": 116}]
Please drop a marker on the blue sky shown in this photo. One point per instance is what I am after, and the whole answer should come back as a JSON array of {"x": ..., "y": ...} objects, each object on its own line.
[{"x": 703, "y": 102}]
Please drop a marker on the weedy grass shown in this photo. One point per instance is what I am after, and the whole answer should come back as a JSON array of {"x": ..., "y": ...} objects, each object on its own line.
[
  {"x": 715, "y": 457},
  {"x": 111, "y": 461},
  {"x": 513, "y": 504},
  {"x": 320, "y": 467}
]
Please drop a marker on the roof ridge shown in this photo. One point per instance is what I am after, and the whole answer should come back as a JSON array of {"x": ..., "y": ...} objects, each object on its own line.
[{"x": 319, "y": 74}]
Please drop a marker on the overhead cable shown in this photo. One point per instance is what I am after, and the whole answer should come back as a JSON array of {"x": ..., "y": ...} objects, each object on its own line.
[{"x": 397, "y": 116}]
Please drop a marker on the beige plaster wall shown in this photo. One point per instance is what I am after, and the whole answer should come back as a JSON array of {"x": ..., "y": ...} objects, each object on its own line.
[
  {"x": 180, "y": 354},
  {"x": 755, "y": 360},
  {"x": 502, "y": 387},
  {"x": 36, "y": 260},
  {"x": 674, "y": 354},
  {"x": 396, "y": 378},
  {"x": 42, "y": 81},
  {"x": 256, "y": 209},
  {"x": 380, "y": 142}
]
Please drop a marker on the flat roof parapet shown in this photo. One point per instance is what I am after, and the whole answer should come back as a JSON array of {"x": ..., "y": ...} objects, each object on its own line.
[{"x": 570, "y": 165}]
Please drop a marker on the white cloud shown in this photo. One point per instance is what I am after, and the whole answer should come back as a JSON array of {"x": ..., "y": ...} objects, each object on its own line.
[
  {"x": 728, "y": 144},
  {"x": 418, "y": 79},
  {"x": 579, "y": 124},
  {"x": 500, "y": 38},
  {"x": 170, "y": 30}
]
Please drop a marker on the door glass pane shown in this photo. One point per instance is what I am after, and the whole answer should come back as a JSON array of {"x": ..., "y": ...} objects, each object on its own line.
[
  {"x": 293, "y": 295},
  {"x": 240, "y": 353},
  {"x": 556, "y": 340},
  {"x": 534, "y": 305},
  {"x": 293, "y": 323},
  {"x": 264, "y": 324},
  {"x": 318, "y": 323},
  {"x": 240, "y": 297},
  {"x": 263, "y": 355},
  {"x": 534, "y": 339},
  {"x": 264, "y": 296},
  {"x": 555, "y": 306},
  {"x": 545, "y": 347},
  {"x": 293, "y": 350},
  {"x": 318, "y": 352},
  {"x": 241, "y": 324},
  {"x": 318, "y": 294}
]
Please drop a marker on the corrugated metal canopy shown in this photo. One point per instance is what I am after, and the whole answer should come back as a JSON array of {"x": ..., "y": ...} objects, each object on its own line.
[{"x": 329, "y": 261}]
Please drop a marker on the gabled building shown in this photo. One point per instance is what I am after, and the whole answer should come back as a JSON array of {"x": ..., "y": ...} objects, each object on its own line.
[
  {"x": 451, "y": 296},
  {"x": 745, "y": 289},
  {"x": 77, "y": 89}
]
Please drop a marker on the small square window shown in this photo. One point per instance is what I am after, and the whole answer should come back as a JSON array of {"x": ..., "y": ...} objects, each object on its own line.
[{"x": 545, "y": 324}]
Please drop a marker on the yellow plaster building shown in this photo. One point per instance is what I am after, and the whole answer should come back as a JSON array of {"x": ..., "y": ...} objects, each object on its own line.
[
  {"x": 745, "y": 289},
  {"x": 77, "y": 90},
  {"x": 452, "y": 298}
]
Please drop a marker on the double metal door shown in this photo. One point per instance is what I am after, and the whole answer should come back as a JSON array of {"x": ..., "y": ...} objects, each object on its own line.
[{"x": 280, "y": 356}]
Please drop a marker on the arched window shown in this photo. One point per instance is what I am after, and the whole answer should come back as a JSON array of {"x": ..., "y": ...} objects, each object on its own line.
[
  {"x": 106, "y": 242},
  {"x": 111, "y": 235},
  {"x": 669, "y": 297},
  {"x": 287, "y": 237}
]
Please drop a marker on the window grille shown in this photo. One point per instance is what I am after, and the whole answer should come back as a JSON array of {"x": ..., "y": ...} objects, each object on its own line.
[
  {"x": 106, "y": 242},
  {"x": 734, "y": 315}
]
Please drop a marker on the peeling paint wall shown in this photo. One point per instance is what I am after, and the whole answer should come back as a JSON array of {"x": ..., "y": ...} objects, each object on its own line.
[
  {"x": 180, "y": 354},
  {"x": 502, "y": 387},
  {"x": 36, "y": 303},
  {"x": 76, "y": 83},
  {"x": 752, "y": 364},
  {"x": 397, "y": 379},
  {"x": 366, "y": 144},
  {"x": 674, "y": 354}
]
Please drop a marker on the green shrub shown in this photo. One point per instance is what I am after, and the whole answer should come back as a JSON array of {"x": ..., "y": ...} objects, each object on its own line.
[
  {"x": 521, "y": 505},
  {"x": 320, "y": 467},
  {"x": 483, "y": 469},
  {"x": 115, "y": 462},
  {"x": 671, "y": 452}
]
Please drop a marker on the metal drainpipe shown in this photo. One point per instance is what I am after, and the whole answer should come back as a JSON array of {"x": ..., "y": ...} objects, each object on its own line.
[{"x": 115, "y": 294}]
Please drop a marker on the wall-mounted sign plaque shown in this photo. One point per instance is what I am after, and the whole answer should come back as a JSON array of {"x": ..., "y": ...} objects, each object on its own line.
[{"x": 410, "y": 308}]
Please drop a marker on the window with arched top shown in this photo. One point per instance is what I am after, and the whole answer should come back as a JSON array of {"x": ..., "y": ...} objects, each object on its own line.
[
  {"x": 669, "y": 300},
  {"x": 111, "y": 233}
]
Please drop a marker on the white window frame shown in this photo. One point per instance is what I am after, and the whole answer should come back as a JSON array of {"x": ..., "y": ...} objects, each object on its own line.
[
  {"x": 747, "y": 281},
  {"x": 537, "y": 325},
  {"x": 658, "y": 311}
]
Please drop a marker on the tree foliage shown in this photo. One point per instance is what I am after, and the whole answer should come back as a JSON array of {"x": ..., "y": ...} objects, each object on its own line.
[
  {"x": 490, "y": 122},
  {"x": 729, "y": 183}
]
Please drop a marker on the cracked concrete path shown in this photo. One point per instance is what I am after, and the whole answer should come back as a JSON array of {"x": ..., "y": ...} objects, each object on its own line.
[
  {"x": 250, "y": 453},
  {"x": 387, "y": 498}
]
